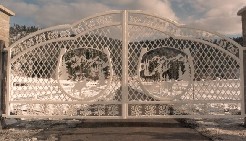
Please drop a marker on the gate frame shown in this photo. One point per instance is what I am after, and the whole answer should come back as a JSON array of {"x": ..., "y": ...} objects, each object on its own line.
[
  {"x": 124, "y": 91},
  {"x": 2, "y": 83},
  {"x": 243, "y": 77},
  {"x": 124, "y": 81}
]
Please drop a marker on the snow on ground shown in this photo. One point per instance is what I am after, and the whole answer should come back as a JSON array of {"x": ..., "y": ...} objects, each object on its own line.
[
  {"x": 28, "y": 130},
  {"x": 231, "y": 129},
  {"x": 216, "y": 129}
]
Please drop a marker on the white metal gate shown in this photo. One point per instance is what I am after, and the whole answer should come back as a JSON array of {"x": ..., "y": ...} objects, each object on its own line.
[{"x": 124, "y": 64}]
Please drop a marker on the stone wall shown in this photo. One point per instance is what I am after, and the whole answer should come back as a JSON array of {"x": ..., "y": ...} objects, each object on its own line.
[
  {"x": 242, "y": 13},
  {"x": 5, "y": 24},
  {"x": 4, "y": 27}
]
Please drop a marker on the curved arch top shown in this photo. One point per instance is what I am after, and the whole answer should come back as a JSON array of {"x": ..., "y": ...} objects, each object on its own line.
[
  {"x": 180, "y": 31},
  {"x": 135, "y": 17},
  {"x": 65, "y": 32}
]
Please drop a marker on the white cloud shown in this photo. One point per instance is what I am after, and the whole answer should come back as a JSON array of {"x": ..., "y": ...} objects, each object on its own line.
[
  {"x": 224, "y": 25},
  {"x": 22, "y": 9},
  {"x": 160, "y": 7},
  {"x": 218, "y": 15},
  {"x": 49, "y": 13},
  {"x": 63, "y": 13}
]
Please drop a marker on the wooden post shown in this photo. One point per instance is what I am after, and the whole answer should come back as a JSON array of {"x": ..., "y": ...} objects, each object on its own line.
[
  {"x": 2, "y": 84},
  {"x": 242, "y": 13}
]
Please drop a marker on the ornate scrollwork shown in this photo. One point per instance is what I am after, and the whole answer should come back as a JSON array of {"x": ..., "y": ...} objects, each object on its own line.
[
  {"x": 164, "y": 110},
  {"x": 136, "y": 110},
  {"x": 113, "y": 110},
  {"x": 65, "y": 33},
  {"x": 233, "y": 49},
  {"x": 150, "y": 110},
  {"x": 92, "y": 23},
  {"x": 155, "y": 78},
  {"x": 53, "y": 35},
  {"x": 100, "y": 110},
  {"x": 81, "y": 75}
]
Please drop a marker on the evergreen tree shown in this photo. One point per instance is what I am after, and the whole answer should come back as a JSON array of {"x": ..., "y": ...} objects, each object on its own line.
[{"x": 19, "y": 31}]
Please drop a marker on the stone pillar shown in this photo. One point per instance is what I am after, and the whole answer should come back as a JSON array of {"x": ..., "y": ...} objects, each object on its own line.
[
  {"x": 244, "y": 28},
  {"x": 5, "y": 24},
  {"x": 242, "y": 13},
  {"x": 4, "y": 42}
]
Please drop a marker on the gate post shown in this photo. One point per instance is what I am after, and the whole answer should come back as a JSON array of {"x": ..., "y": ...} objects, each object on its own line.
[
  {"x": 242, "y": 13},
  {"x": 124, "y": 64},
  {"x": 2, "y": 84},
  {"x": 243, "y": 81}
]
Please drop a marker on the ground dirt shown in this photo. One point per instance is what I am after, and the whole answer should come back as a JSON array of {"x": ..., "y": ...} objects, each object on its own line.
[{"x": 99, "y": 130}]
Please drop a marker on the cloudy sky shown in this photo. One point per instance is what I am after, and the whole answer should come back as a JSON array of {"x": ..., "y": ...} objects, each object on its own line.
[{"x": 218, "y": 15}]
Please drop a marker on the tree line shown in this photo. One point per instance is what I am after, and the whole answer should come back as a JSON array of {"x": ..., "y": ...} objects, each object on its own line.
[{"x": 20, "y": 31}]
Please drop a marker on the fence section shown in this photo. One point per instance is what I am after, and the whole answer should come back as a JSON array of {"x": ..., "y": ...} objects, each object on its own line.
[{"x": 124, "y": 64}]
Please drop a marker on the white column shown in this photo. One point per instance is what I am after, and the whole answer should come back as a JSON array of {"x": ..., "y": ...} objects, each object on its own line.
[{"x": 124, "y": 64}]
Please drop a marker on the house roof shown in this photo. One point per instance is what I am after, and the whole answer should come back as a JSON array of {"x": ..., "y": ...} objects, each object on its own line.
[
  {"x": 6, "y": 11},
  {"x": 241, "y": 11}
]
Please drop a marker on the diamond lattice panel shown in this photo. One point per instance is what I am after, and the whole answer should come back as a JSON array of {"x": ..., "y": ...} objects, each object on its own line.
[
  {"x": 138, "y": 37},
  {"x": 215, "y": 73},
  {"x": 37, "y": 74},
  {"x": 100, "y": 39},
  {"x": 34, "y": 73}
]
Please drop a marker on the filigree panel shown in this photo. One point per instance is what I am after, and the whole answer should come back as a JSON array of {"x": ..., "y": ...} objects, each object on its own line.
[
  {"x": 66, "y": 110},
  {"x": 139, "y": 110}
]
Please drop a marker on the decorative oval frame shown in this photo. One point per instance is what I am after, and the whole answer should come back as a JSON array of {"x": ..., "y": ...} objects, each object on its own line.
[
  {"x": 93, "y": 98},
  {"x": 191, "y": 65}
]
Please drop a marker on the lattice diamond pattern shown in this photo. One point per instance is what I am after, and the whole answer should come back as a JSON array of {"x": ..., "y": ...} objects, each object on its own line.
[
  {"x": 212, "y": 66},
  {"x": 216, "y": 75},
  {"x": 137, "y": 40},
  {"x": 41, "y": 68},
  {"x": 32, "y": 74},
  {"x": 215, "y": 66}
]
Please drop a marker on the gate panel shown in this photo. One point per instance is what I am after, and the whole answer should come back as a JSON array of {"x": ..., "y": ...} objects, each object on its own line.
[
  {"x": 124, "y": 64},
  {"x": 176, "y": 71},
  {"x": 69, "y": 72}
]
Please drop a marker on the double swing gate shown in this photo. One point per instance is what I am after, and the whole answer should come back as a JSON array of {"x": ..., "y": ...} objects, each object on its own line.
[{"x": 124, "y": 64}]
